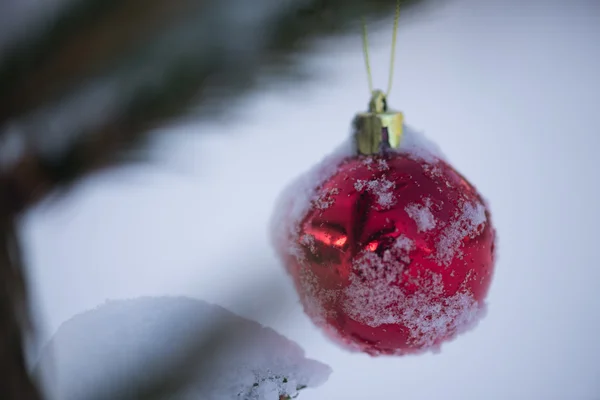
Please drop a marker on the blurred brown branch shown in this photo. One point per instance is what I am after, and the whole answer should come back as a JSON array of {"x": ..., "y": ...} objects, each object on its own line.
[{"x": 88, "y": 82}]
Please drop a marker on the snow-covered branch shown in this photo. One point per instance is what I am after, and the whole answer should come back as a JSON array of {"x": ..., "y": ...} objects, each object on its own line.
[{"x": 179, "y": 348}]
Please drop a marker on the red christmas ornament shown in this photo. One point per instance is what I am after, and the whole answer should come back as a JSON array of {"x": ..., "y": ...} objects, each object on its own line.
[{"x": 390, "y": 249}]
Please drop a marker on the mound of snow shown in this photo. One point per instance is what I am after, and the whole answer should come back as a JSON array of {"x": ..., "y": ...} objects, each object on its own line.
[{"x": 125, "y": 344}]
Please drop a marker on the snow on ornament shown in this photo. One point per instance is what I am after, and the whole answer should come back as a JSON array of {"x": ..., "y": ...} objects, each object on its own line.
[{"x": 390, "y": 249}]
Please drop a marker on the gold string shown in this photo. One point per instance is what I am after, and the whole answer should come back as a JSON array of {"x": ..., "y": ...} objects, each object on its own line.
[
  {"x": 392, "y": 56},
  {"x": 366, "y": 54}
]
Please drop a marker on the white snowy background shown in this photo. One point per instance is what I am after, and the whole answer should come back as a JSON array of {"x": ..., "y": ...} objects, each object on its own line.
[{"x": 509, "y": 89}]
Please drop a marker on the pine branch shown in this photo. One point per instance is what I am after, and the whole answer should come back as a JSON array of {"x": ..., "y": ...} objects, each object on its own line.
[{"x": 107, "y": 72}]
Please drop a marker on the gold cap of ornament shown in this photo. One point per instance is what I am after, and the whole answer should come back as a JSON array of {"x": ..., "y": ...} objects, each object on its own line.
[{"x": 378, "y": 129}]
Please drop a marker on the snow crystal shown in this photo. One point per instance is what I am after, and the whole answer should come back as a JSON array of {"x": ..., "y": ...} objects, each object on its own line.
[
  {"x": 418, "y": 146},
  {"x": 360, "y": 184},
  {"x": 315, "y": 297},
  {"x": 309, "y": 241},
  {"x": 326, "y": 199},
  {"x": 422, "y": 215},
  {"x": 381, "y": 188},
  {"x": 121, "y": 342},
  {"x": 465, "y": 223},
  {"x": 374, "y": 298},
  {"x": 382, "y": 165},
  {"x": 404, "y": 243},
  {"x": 401, "y": 248}
]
